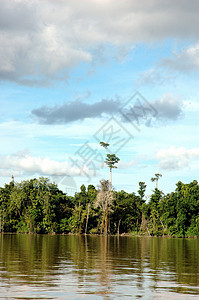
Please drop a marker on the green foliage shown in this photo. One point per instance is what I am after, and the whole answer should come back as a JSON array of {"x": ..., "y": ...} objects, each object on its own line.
[
  {"x": 38, "y": 206},
  {"x": 141, "y": 191},
  {"x": 156, "y": 178},
  {"x": 104, "y": 145},
  {"x": 111, "y": 160},
  {"x": 156, "y": 226},
  {"x": 127, "y": 213},
  {"x": 32, "y": 206}
]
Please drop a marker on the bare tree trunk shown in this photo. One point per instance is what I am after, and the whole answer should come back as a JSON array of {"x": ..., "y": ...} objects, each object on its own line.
[
  {"x": 144, "y": 225},
  {"x": 110, "y": 179},
  {"x": 106, "y": 220},
  {"x": 103, "y": 222},
  {"x": 118, "y": 227},
  {"x": 87, "y": 218},
  {"x": 148, "y": 230},
  {"x": 109, "y": 225}
]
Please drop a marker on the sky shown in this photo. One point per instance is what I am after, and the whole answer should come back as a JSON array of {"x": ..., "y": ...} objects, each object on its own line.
[{"x": 74, "y": 73}]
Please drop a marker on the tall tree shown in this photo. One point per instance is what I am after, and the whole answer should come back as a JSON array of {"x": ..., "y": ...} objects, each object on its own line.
[
  {"x": 111, "y": 160},
  {"x": 92, "y": 193},
  {"x": 105, "y": 146},
  {"x": 157, "y": 227},
  {"x": 156, "y": 178},
  {"x": 141, "y": 191}
]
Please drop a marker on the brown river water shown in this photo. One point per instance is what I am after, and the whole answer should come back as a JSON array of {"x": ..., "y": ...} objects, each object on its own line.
[{"x": 98, "y": 267}]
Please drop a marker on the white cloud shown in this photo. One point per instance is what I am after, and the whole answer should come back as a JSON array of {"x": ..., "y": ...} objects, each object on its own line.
[
  {"x": 22, "y": 163},
  {"x": 166, "y": 70},
  {"x": 185, "y": 61},
  {"x": 47, "y": 38},
  {"x": 168, "y": 107},
  {"x": 176, "y": 158}
]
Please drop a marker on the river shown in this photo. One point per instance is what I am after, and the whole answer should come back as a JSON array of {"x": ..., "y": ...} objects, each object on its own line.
[{"x": 98, "y": 267}]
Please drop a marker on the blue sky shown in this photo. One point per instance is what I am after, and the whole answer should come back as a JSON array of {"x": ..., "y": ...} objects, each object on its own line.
[{"x": 121, "y": 71}]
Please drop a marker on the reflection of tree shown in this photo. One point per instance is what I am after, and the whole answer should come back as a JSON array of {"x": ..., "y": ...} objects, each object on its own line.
[
  {"x": 32, "y": 257},
  {"x": 104, "y": 265},
  {"x": 90, "y": 255},
  {"x": 99, "y": 263}
]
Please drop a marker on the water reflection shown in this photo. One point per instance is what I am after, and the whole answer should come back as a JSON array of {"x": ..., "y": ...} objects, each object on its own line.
[{"x": 65, "y": 267}]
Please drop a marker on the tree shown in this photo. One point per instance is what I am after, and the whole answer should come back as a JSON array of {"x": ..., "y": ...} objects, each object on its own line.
[
  {"x": 4, "y": 204},
  {"x": 156, "y": 178},
  {"x": 126, "y": 212},
  {"x": 105, "y": 146},
  {"x": 104, "y": 202},
  {"x": 157, "y": 227},
  {"x": 168, "y": 208},
  {"x": 111, "y": 160},
  {"x": 187, "y": 208},
  {"x": 38, "y": 206},
  {"x": 92, "y": 193},
  {"x": 32, "y": 206},
  {"x": 141, "y": 191},
  {"x": 77, "y": 220}
]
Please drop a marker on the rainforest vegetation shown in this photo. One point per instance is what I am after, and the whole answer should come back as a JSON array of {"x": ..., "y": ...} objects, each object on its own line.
[{"x": 38, "y": 206}]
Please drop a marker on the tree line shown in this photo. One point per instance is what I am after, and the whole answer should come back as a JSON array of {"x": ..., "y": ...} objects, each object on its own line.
[{"x": 39, "y": 206}]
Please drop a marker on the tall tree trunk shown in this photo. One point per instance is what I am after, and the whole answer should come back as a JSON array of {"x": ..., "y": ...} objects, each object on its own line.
[
  {"x": 110, "y": 178},
  {"x": 87, "y": 218},
  {"x": 106, "y": 220}
]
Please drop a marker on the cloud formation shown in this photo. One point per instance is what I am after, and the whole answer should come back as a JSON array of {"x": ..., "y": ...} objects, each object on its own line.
[
  {"x": 168, "y": 107},
  {"x": 43, "y": 40},
  {"x": 75, "y": 111},
  {"x": 138, "y": 110},
  {"x": 167, "y": 69},
  {"x": 22, "y": 163},
  {"x": 176, "y": 158},
  {"x": 186, "y": 61}
]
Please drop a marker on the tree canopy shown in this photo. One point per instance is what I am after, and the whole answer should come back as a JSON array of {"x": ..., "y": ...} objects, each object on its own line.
[{"x": 38, "y": 206}]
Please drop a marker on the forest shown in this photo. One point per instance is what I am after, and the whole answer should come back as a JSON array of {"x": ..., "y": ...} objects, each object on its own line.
[{"x": 39, "y": 206}]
